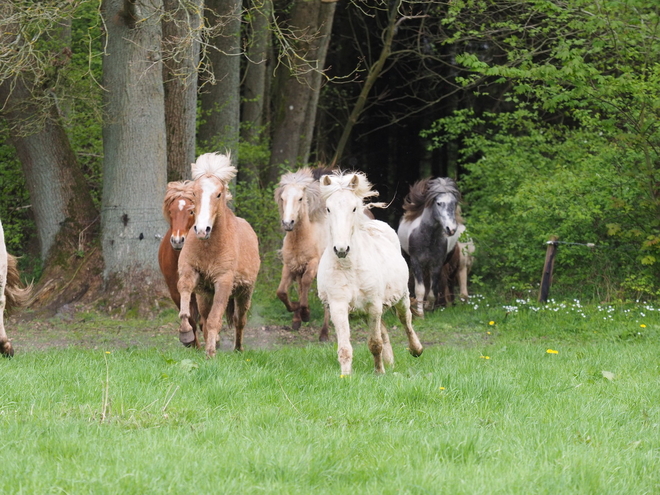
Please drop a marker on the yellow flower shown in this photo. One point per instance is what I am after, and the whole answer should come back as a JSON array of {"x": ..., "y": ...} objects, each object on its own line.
[
  {"x": 642, "y": 325},
  {"x": 107, "y": 352},
  {"x": 342, "y": 376},
  {"x": 488, "y": 333},
  {"x": 484, "y": 357},
  {"x": 552, "y": 351},
  {"x": 248, "y": 360},
  {"x": 491, "y": 323},
  {"x": 442, "y": 388}
]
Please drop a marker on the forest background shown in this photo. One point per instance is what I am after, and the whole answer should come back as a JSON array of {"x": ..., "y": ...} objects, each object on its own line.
[{"x": 546, "y": 112}]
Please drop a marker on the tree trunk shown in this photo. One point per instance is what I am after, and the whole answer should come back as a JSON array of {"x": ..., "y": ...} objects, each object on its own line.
[
  {"x": 296, "y": 84},
  {"x": 255, "y": 83},
  {"x": 135, "y": 163},
  {"x": 220, "y": 94},
  {"x": 181, "y": 26}
]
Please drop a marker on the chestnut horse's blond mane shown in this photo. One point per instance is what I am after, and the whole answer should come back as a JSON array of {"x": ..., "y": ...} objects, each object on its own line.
[
  {"x": 176, "y": 190},
  {"x": 423, "y": 192},
  {"x": 216, "y": 165},
  {"x": 356, "y": 182},
  {"x": 303, "y": 177}
]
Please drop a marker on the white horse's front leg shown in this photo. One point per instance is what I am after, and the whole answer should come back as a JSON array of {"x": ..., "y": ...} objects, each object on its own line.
[
  {"x": 403, "y": 312},
  {"x": 339, "y": 317},
  {"x": 375, "y": 341}
]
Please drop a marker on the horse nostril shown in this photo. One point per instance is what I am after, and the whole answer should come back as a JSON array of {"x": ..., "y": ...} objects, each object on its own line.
[
  {"x": 195, "y": 228},
  {"x": 208, "y": 230}
]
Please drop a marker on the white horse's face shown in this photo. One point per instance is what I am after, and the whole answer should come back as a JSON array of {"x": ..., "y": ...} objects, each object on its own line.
[
  {"x": 209, "y": 199},
  {"x": 344, "y": 211},
  {"x": 292, "y": 203},
  {"x": 444, "y": 212}
]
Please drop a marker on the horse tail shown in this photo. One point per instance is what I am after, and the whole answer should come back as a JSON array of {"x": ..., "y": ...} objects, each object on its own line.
[
  {"x": 230, "y": 311},
  {"x": 18, "y": 295}
]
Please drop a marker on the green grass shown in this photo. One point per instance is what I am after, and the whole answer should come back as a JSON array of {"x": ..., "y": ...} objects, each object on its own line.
[{"x": 486, "y": 409}]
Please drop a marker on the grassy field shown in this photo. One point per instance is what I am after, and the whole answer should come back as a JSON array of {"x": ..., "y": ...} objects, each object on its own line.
[{"x": 512, "y": 398}]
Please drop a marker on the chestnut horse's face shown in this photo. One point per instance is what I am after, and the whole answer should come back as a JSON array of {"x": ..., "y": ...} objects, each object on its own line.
[
  {"x": 210, "y": 198},
  {"x": 292, "y": 203},
  {"x": 182, "y": 217}
]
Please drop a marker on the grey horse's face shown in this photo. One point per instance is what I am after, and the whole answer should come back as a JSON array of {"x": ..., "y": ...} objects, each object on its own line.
[{"x": 444, "y": 212}]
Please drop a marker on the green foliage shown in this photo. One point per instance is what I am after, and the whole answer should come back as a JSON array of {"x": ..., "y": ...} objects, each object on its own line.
[{"x": 575, "y": 150}]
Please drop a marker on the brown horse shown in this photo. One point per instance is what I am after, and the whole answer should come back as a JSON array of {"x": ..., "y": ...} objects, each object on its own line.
[
  {"x": 302, "y": 212},
  {"x": 457, "y": 267},
  {"x": 221, "y": 261},
  {"x": 178, "y": 209},
  {"x": 12, "y": 293}
]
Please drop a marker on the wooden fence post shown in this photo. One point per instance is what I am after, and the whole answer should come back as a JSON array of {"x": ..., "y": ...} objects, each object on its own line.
[{"x": 546, "y": 278}]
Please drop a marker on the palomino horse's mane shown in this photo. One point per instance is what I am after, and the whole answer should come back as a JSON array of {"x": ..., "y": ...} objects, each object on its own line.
[
  {"x": 216, "y": 165},
  {"x": 309, "y": 179},
  {"x": 344, "y": 181},
  {"x": 176, "y": 190},
  {"x": 423, "y": 192}
]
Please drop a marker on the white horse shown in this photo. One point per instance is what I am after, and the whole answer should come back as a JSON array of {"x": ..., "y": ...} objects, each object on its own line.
[
  {"x": 12, "y": 292},
  {"x": 362, "y": 269}
]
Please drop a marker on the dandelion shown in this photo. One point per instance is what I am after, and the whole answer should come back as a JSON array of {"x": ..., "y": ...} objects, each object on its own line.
[
  {"x": 442, "y": 388},
  {"x": 107, "y": 352},
  {"x": 342, "y": 376},
  {"x": 642, "y": 325},
  {"x": 552, "y": 351},
  {"x": 488, "y": 333},
  {"x": 491, "y": 323},
  {"x": 485, "y": 357}
]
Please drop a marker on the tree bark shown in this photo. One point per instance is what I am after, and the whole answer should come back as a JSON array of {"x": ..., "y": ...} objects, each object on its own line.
[
  {"x": 135, "y": 162},
  {"x": 220, "y": 94},
  {"x": 292, "y": 122},
  {"x": 181, "y": 26}
]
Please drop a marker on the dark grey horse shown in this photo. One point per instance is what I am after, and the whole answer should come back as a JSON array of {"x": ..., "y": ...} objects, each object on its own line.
[{"x": 428, "y": 233}]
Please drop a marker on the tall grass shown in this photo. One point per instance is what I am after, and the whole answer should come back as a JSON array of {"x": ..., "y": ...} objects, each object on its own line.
[{"x": 485, "y": 409}]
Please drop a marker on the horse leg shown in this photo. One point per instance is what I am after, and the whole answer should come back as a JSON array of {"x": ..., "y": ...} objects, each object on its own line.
[
  {"x": 462, "y": 282},
  {"x": 305, "y": 284},
  {"x": 339, "y": 317},
  {"x": 405, "y": 317},
  {"x": 188, "y": 279},
  {"x": 438, "y": 284},
  {"x": 375, "y": 340},
  {"x": 323, "y": 336},
  {"x": 213, "y": 323},
  {"x": 6, "y": 348},
  {"x": 195, "y": 319},
  {"x": 388, "y": 354},
  {"x": 283, "y": 295},
  {"x": 420, "y": 288},
  {"x": 242, "y": 304}
]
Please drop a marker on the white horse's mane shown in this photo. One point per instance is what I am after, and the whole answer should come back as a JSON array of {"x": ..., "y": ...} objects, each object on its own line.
[
  {"x": 356, "y": 182},
  {"x": 216, "y": 165}
]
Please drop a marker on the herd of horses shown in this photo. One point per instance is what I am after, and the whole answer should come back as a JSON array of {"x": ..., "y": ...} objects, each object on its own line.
[{"x": 210, "y": 257}]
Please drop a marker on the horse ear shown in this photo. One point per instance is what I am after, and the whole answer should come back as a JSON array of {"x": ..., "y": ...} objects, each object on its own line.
[
  {"x": 355, "y": 182},
  {"x": 325, "y": 180}
]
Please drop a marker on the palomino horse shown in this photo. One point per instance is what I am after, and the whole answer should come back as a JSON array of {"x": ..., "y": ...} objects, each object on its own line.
[
  {"x": 362, "y": 269},
  {"x": 455, "y": 271},
  {"x": 220, "y": 261},
  {"x": 302, "y": 213},
  {"x": 178, "y": 209},
  {"x": 12, "y": 293},
  {"x": 428, "y": 233}
]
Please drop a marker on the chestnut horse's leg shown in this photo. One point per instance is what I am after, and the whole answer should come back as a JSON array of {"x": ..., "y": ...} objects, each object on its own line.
[
  {"x": 213, "y": 323},
  {"x": 188, "y": 279},
  {"x": 375, "y": 340},
  {"x": 242, "y": 303},
  {"x": 339, "y": 316},
  {"x": 305, "y": 284},
  {"x": 323, "y": 336},
  {"x": 403, "y": 312}
]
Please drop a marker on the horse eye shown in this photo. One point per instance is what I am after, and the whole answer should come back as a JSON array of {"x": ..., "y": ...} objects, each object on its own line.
[
  {"x": 219, "y": 194},
  {"x": 354, "y": 209},
  {"x": 300, "y": 199},
  {"x": 328, "y": 210}
]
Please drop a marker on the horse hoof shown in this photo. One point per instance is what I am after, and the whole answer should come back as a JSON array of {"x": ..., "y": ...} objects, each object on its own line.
[
  {"x": 304, "y": 314},
  {"x": 296, "y": 325},
  {"x": 323, "y": 337},
  {"x": 7, "y": 350},
  {"x": 187, "y": 338},
  {"x": 416, "y": 352}
]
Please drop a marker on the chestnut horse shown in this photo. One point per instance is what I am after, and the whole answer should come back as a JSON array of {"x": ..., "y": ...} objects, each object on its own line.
[
  {"x": 12, "y": 293},
  {"x": 178, "y": 209},
  {"x": 220, "y": 262},
  {"x": 362, "y": 269},
  {"x": 457, "y": 267},
  {"x": 302, "y": 213}
]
